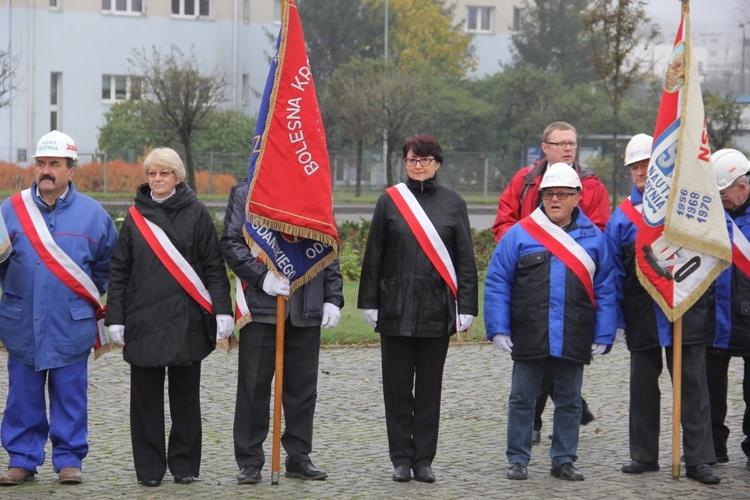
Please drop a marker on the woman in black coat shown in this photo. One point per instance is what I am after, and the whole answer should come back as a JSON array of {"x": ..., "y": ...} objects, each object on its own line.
[
  {"x": 414, "y": 307},
  {"x": 159, "y": 323}
]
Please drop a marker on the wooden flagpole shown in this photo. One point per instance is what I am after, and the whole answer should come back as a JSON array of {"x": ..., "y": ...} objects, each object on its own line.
[
  {"x": 278, "y": 391},
  {"x": 676, "y": 396},
  {"x": 677, "y": 368}
]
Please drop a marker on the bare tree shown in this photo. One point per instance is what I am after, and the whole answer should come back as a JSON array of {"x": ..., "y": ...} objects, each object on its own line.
[
  {"x": 185, "y": 95},
  {"x": 8, "y": 66},
  {"x": 619, "y": 34},
  {"x": 723, "y": 119},
  {"x": 348, "y": 101}
]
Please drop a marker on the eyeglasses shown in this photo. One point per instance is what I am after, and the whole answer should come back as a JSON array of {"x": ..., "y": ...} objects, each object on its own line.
[
  {"x": 422, "y": 161},
  {"x": 563, "y": 145},
  {"x": 562, "y": 196}
]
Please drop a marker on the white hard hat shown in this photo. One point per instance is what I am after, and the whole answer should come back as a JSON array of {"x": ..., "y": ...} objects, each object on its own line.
[
  {"x": 639, "y": 148},
  {"x": 728, "y": 165},
  {"x": 56, "y": 144},
  {"x": 560, "y": 175}
]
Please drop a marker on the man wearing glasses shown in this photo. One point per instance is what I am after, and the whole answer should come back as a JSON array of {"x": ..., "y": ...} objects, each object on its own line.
[
  {"x": 521, "y": 197},
  {"x": 549, "y": 301},
  {"x": 647, "y": 331}
]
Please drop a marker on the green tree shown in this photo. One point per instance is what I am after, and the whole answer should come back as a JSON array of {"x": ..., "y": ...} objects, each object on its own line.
[
  {"x": 128, "y": 125},
  {"x": 184, "y": 94},
  {"x": 337, "y": 31},
  {"x": 551, "y": 38},
  {"x": 348, "y": 101},
  {"x": 723, "y": 119},
  {"x": 227, "y": 131},
  {"x": 619, "y": 39}
]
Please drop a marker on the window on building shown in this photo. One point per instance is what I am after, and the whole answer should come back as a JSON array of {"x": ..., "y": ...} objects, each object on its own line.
[
  {"x": 54, "y": 100},
  {"x": 246, "y": 11},
  {"x": 517, "y": 18},
  {"x": 120, "y": 88},
  {"x": 479, "y": 19},
  {"x": 277, "y": 11},
  {"x": 191, "y": 8},
  {"x": 122, "y": 6},
  {"x": 54, "y": 4}
]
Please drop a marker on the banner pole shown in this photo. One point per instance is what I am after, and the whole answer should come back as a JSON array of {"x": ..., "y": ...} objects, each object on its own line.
[
  {"x": 278, "y": 391},
  {"x": 676, "y": 396}
]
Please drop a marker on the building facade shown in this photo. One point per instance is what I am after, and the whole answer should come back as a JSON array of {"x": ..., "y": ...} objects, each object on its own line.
[{"x": 73, "y": 55}]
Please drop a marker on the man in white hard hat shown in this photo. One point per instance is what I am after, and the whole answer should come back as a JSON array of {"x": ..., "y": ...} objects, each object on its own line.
[
  {"x": 522, "y": 196},
  {"x": 549, "y": 295},
  {"x": 52, "y": 283},
  {"x": 647, "y": 330},
  {"x": 732, "y": 336}
]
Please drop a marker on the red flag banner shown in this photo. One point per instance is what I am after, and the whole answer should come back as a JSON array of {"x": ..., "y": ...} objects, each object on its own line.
[
  {"x": 684, "y": 244},
  {"x": 290, "y": 223}
]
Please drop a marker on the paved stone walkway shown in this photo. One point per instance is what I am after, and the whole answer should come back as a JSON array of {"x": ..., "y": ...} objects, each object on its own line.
[{"x": 350, "y": 441}]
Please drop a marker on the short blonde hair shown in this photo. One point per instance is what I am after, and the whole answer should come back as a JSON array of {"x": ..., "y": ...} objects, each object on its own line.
[
  {"x": 557, "y": 126},
  {"x": 165, "y": 157}
]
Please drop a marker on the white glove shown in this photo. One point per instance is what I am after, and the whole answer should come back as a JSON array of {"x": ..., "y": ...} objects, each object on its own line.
[
  {"x": 117, "y": 334},
  {"x": 598, "y": 349},
  {"x": 273, "y": 285},
  {"x": 331, "y": 316},
  {"x": 371, "y": 316},
  {"x": 224, "y": 326},
  {"x": 503, "y": 342},
  {"x": 620, "y": 335},
  {"x": 464, "y": 322}
]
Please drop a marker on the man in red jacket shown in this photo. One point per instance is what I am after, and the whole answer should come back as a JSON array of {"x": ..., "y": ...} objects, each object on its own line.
[{"x": 521, "y": 197}]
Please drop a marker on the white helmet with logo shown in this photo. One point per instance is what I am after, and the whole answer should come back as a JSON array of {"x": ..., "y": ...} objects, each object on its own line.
[
  {"x": 639, "y": 148},
  {"x": 729, "y": 164},
  {"x": 560, "y": 175},
  {"x": 58, "y": 145}
]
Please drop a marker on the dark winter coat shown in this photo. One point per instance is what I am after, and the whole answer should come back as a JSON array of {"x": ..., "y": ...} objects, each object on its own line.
[
  {"x": 164, "y": 326},
  {"x": 399, "y": 279}
]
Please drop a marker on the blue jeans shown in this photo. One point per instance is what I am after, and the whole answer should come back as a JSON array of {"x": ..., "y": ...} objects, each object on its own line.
[{"x": 525, "y": 385}]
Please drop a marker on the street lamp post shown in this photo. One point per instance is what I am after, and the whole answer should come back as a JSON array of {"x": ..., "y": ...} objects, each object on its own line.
[{"x": 742, "y": 64}]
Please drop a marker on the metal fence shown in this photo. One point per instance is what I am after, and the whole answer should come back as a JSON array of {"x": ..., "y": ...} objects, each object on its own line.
[{"x": 472, "y": 173}]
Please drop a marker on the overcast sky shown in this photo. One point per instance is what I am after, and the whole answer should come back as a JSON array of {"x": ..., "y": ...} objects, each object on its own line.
[{"x": 705, "y": 15}]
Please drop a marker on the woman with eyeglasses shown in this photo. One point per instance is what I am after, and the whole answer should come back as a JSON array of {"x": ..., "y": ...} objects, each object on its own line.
[{"x": 417, "y": 288}]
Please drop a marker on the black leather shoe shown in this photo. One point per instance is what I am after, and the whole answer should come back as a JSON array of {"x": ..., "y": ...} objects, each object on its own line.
[
  {"x": 636, "y": 467},
  {"x": 184, "y": 479},
  {"x": 536, "y": 437},
  {"x": 586, "y": 416},
  {"x": 249, "y": 474},
  {"x": 567, "y": 472},
  {"x": 517, "y": 471},
  {"x": 151, "y": 483},
  {"x": 305, "y": 470},
  {"x": 702, "y": 473},
  {"x": 402, "y": 474},
  {"x": 424, "y": 474}
]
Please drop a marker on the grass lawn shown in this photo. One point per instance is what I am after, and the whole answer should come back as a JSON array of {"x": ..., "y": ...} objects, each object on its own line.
[{"x": 352, "y": 328}]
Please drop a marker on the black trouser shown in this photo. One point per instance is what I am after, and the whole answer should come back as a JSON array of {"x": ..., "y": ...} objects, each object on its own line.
[
  {"x": 645, "y": 405},
  {"x": 412, "y": 387},
  {"x": 257, "y": 363},
  {"x": 147, "y": 421},
  {"x": 717, "y": 371},
  {"x": 546, "y": 391}
]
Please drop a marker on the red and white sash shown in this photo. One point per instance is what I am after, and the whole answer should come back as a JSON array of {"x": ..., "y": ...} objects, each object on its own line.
[
  {"x": 56, "y": 260},
  {"x": 563, "y": 246},
  {"x": 242, "y": 314},
  {"x": 633, "y": 213},
  {"x": 740, "y": 250},
  {"x": 426, "y": 234},
  {"x": 172, "y": 259}
]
